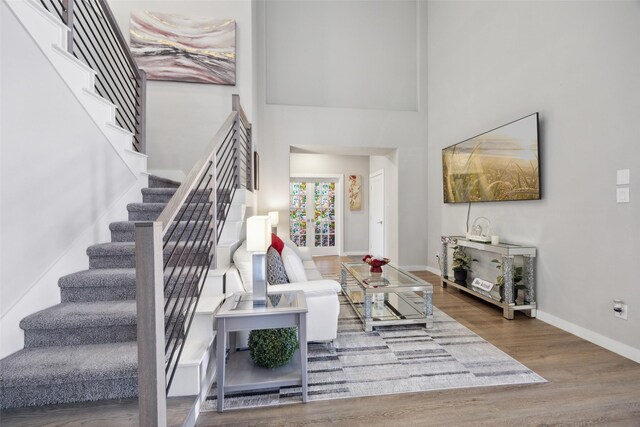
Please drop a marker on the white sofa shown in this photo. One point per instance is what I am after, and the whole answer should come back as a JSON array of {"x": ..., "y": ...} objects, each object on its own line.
[{"x": 321, "y": 294}]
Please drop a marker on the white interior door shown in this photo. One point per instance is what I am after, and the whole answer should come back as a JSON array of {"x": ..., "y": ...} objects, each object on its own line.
[
  {"x": 376, "y": 214},
  {"x": 314, "y": 214}
]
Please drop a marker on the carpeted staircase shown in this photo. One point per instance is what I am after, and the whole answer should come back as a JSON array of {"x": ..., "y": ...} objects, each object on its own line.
[{"x": 85, "y": 347}]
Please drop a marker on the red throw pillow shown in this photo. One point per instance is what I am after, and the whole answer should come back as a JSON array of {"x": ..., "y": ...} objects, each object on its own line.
[{"x": 277, "y": 243}]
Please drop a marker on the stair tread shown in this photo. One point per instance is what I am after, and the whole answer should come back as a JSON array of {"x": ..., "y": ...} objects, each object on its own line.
[
  {"x": 209, "y": 305},
  {"x": 158, "y": 206},
  {"x": 83, "y": 315},
  {"x": 59, "y": 364},
  {"x": 163, "y": 181},
  {"x": 112, "y": 248},
  {"x": 108, "y": 277},
  {"x": 125, "y": 248},
  {"x": 98, "y": 277},
  {"x": 194, "y": 352},
  {"x": 131, "y": 225},
  {"x": 155, "y": 190}
]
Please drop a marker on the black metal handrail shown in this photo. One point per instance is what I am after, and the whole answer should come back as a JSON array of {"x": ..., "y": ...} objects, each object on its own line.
[
  {"x": 95, "y": 39},
  {"x": 174, "y": 255}
]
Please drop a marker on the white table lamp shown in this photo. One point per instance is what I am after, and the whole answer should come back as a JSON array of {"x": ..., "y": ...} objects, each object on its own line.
[
  {"x": 275, "y": 219},
  {"x": 258, "y": 241}
]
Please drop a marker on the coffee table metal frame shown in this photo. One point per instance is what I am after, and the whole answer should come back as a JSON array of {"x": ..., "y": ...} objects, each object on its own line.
[{"x": 376, "y": 293}]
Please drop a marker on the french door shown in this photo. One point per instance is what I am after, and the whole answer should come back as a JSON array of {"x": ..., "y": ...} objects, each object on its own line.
[{"x": 314, "y": 214}]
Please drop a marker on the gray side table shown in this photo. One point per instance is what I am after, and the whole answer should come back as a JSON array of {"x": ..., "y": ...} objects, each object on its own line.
[{"x": 239, "y": 314}]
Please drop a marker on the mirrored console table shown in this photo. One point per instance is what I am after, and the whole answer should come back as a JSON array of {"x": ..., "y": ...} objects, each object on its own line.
[{"x": 505, "y": 297}]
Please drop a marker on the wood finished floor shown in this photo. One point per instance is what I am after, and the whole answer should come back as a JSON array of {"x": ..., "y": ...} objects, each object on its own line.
[{"x": 588, "y": 385}]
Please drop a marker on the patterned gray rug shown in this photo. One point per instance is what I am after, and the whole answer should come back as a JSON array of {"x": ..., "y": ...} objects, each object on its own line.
[{"x": 393, "y": 359}]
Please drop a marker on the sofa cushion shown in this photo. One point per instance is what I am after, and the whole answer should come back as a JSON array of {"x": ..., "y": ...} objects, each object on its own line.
[
  {"x": 293, "y": 265},
  {"x": 244, "y": 263},
  {"x": 313, "y": 273},
  {"x": 303, "y": 253},
  {"x": 313, "y": 287},
  {"x": 276, "y": 274},
  {"x": 277, "y": 243}
]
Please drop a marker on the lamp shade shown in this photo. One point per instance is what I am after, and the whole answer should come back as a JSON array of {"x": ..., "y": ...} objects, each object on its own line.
[
  {"x": 258, "y": 234},
  {"x": 274, "y": 217}
]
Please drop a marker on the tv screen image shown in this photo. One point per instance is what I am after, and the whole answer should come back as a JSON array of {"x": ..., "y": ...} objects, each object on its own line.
[{"x": 499, "y": 165}]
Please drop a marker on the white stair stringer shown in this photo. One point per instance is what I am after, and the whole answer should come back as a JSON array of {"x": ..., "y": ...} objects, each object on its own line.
[
  {"x": 196, "y": 367},
  {"x": 234, "y": 231},
  {"x": 214, "y": 284},
  {"x": 50, "y": 34}
]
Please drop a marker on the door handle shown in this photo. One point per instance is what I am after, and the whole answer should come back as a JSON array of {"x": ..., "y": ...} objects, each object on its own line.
[{"x": 379, "y": 222}]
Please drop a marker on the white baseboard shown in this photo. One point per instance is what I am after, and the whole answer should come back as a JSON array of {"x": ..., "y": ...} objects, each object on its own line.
[
  {"x": 414, "y": 267},
  {"x": 354, "y": 253},
  {"x": 434, "y": 270},
  {"x": 594, "y": 337}
]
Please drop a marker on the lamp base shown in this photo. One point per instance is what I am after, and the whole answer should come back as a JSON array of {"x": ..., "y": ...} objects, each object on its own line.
[{"x": 259, "y": 260}]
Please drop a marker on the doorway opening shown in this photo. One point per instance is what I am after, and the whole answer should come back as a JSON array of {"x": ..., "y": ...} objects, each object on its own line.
[
  {"x": 315, "y": 206},
  {"x": 353, "y": 229}
]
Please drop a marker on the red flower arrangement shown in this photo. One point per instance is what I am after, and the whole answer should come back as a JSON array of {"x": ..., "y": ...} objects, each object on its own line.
[{"x": 375, "y": 263}]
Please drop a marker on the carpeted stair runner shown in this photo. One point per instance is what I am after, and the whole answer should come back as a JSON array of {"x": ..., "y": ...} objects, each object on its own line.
[
  {"x": 47, "y": 375},
  {"x": 110, "y": 284},
  {"x": 84, "y": 348}
]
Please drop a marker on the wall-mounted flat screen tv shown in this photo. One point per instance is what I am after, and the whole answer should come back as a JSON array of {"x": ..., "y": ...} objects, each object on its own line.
[{"x": 499, "y": 165}]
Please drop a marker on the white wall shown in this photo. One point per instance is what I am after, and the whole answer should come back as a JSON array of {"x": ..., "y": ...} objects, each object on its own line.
[
  {"x": 576, "y": 63},
  {"x": 342, "y": 54},
  {"x": 282, "y": 126},
  {"x": 182, "y": 118},
  {"x": 389, "y": 164},
  {"x": 355, "y": 225},
  {"x": 56, "y": 180}
]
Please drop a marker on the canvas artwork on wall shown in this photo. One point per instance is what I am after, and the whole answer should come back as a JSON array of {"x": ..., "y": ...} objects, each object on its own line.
[
  {"x": 355, "y": 192},
  {"x": 186, "y": 49}
]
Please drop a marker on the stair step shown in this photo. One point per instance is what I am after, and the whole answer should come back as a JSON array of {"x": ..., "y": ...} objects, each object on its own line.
[
  {"x": 209, "y": 305},
  {"x": 124, "y": 231},
  {"x": 163, "y": 195},
  {"x": 102, "y": 284},
  {"x": 151, "y": 211},
  {"x": 122, "y": 254},
  {"x": 111, "y": 284},
  {"x": 159, "y": 182},
  {"x": 77, "y": 323},
  {"x": 53, "y": 375}
]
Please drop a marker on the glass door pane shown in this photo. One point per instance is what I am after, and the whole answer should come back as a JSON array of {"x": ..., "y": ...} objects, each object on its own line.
[
  {"x": 324, "y": 214},
  {"x": 312, "y": 214},
  {"x": 298, "y": 213}
]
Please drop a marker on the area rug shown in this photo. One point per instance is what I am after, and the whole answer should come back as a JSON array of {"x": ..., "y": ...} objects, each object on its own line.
[{"x": 392, "y": 359}]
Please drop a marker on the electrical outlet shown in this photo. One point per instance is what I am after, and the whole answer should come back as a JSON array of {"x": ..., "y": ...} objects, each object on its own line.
[
  {"x": 620, "y": 310},
  {"x": 622, "y": 195}
]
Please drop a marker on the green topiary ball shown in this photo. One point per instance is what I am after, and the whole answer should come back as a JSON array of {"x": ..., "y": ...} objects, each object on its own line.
[{"x": 272, "y": 348}]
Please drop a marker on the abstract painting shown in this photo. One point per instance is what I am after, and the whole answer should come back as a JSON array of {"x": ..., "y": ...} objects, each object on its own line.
[
  {"x": 187, "y": 49},
  {"x": 355, "y": 192}
]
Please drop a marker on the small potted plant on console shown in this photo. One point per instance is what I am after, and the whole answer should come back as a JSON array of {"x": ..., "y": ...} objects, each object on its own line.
[
  {"x": 516, "y": 277},
  {"x": 461, "y": 265}
]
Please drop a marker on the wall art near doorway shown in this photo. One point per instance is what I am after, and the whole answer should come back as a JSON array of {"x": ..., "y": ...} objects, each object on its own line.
[
  {"x": 186, "y": 49},
  {"x": 355, "y": 192}
]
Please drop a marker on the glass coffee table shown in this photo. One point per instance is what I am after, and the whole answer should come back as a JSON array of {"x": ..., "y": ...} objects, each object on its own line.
[{"x": 393, "y": 297}]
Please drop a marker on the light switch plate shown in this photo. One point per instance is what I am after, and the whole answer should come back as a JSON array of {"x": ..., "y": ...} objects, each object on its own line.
[
  {"x": 622, "y": 195},
  {"x": 622, "y": 177}
]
